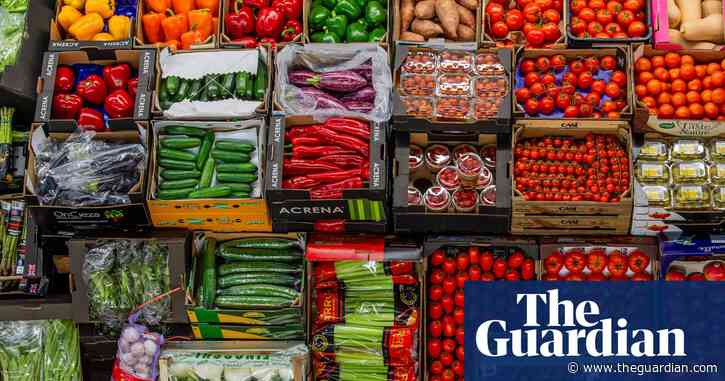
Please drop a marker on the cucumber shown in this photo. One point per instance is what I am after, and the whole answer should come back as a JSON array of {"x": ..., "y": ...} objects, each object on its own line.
[
  {"x": 184, "y": 130},
  {"x": 174, "y": 194},
  {"x": 258, "y": 267},
  {"x": 261, "y": 289},
  {"x": 240, "y": 194},
  {"x": 236, "y": 177},
  {"x": 264, "y": 255},
  {"x": 207, "y": 174},
  {"x": 239, "y": 187},
  {"x": 262, "y": 243},
  {"x": 234, "y": 145},
  {"x": 175, "y": 154},
  {"x": 228, "y": 301},
  {"x": 179, "y": 184},
  {"x": 255, "y": 278},
  {"x": 180, "y": 143},
  {"x": 230, "y": 156},
  {"x": 176, "y": 164},
  {"x": 204, "y": 150},
  {"x": 178, "y": 174},
  {"x": 208, "y": 274},
  {"x": 211, "y": 192},
  {"x": 236, "y": 168}
]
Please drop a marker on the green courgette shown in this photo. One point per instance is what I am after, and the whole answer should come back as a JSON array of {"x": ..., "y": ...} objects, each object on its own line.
[
  {"x": 236, "y": 177},
  {"x": 176, "y": 164},
  {"x": 172, "y": 85},
  {"x": 257, "y": 267},
  {"x": 262, "y": 243},
  {"x": 178, "y": 184},
  {"x": 260, "y": 82},
  {"x": 236, "y": 168},
  {"x": 183, "y": 93},
  {"x": 207, "y": 174},
  {"x": 228, "y": 86},
  {"x": 261, "y": 289},
  {"x": 174, "y": 194},
  {"x": 240, "y": 194},
  {"x": 204, "y": 150},
  {"x": 175, "y": 154},
  {"x": 180, "y": 143},
  {"x": 208, "y": 274},
  {"x": 241, "y": 82},
  {"x": 224, "y": 281},
  {"x": 212, "y": 192},
  {"x": 228, "y": 301},
  {"x": 184, "y": 130},
  {"x": 254, "y": 255},
  {"x": 178, "y": 174},
  {"x": 195, "y": 90},
  {"x": 213, "y": 87},
  {"x": 238, "y": 187},
  {"x": 230, "y": 156},
  {"x": 234, "y": 145}
]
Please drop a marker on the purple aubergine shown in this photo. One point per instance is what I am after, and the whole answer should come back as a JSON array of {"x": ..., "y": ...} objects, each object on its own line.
[
  {"x": 366, "y": 94},
  {"x": 322, "y": 99},
  {"x": 359, "y": 106},
  {"x": 342, "y": 81},
  {"x": 302, "y": 77},
  {"x": 365, "y": 70}
]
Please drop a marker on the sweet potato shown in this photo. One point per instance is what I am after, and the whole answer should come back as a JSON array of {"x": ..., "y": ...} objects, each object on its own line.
[
  {"x": 711, "y": 7},
  {"x": 470, "y": 4},
  {"x": 426, "y": 28},
  {"x": 466, "y": 33},
  {"x": 407, "y": 10},
  {"x": 425, "y": 10},
  {"x": 467, "y": 17},
  {"x": 410, "y": 36},
  {"x": 448, "y": 14}
]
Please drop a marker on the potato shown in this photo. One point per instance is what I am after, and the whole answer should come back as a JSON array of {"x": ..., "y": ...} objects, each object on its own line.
[
  {"x": 410, "y": 36},
  {"x": 426, "y": 28},
  {"x": 448, "y": 14},
  {"x": 466, "y": 33},
  {"x": 470, "y": 4},
  {"x": 407, "y": 9},
  {"x": 467, "y": 17},
  {"x": 425, "y": 10}
]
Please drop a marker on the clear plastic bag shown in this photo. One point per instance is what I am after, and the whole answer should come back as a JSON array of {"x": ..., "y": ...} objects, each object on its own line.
[
  {"x": 85, "y": 172},
  {"x": 62, "y": 359},
  {"x": 138, "y": 353},
  {"x": 21, "y": 350},
  {"x": 333, "y": 72}
]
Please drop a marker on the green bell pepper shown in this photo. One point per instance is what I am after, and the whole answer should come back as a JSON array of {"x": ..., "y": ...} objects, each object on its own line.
[
  {"x": 376, "y": 35},
  {"x": 317, "y": 36},
  {"x": 330, "y": 37},
  {"x": 361, "y": 3},
  {"x": 336, "y": 24},
  {"x": 329, "y": 4},
  {"x": 357, "y": 32},
  {"x": 316, "y": 3},
  {"x": 318, "y": 16},
  {"x": 348, "y": 8},
  {"x": 375, "y": 13}
]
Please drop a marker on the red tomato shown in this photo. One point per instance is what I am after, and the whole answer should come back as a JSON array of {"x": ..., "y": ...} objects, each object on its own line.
[
  {"x": 625, "y": 17},
  {"x": 522, "y": 94},
  {"x": 434, "y": 350},
  {"x": 448, "y": 375},
  {"x": 587, "y": 14},
  {"x": 460, "y": 354},
  {"x": 516, "y": 259},
  {"x": 578, "y": 5},
  {"x": 462, "y": 262},
  {"x": 608, "y": 62},
  {"x": 552, "y": 15},
  {"x": 619, "y": 78},
  {"x": 446, "y": 360},
  {"x": 578, "y": 26},
  {"x": 551, "y": 32},
  {"x": 474, "y": 255},
  {"x": 617, "y": 265},
  {"x": 436, "y": 276},
  {"x": 526, "y": 66},
  {"x": 448, "y": 345},
  {"x": 458, "y": 316},
  {"x": 633, "y": 5},
  {"x": 437, "y": 258},
  {"x": 436, "y": 311},
  {"x": 486, "y": 261},
  {"x": 449, "y": 330},
  {"x": 449, "y": 285},
  {"x": 544, "y": 4},
  {"x": 499, "y": 267},
  {"x": 585, "y": 80},
  {"x": 514, "y": 19},
  {"x": 436, "y": 367},
  {"x": 613, "y": 28},
  {"x": 435, "y": 293},
  {"x": 512, "y": 275},
  {"x": 447, "y": 304},
  {"x": 597, "y": 4},
  {"x": 604, "y": 17},
  {"x": 495, "y": 12},
  {"x": 499, "y": 29},
  {"x": 474, "y": 272},
  {"x": 536, "y": 37},
  {"x": 546, "y": 105},
  {"x": 457, "y": 368},
  {"x": 461, "y": 279},
  {"x": 460, "y": 335},
  {"x": 614, "y": 7},
  {"x": 571, "y": 112},
  {"x": 594, "y": 28},
  {"x": 527, "y": 269},
  {"x": 435, "y": 328},
  {"x": 637, "y": 29},
  {"x": 563, "y": 101},
  {"x": 532, "y": 13},
  {"x": 459, "y": 299}
]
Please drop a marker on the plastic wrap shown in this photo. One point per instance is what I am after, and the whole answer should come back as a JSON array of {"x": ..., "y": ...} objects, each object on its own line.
[
  {"x": 82, "y": 171},
  {"x": 62, "y": 359},
  {"x": 138, "y": 353},
  {"x": 12, "y": 28},
  {"x": 21, "y": 354},
  {"x": 349, "y": 65}
]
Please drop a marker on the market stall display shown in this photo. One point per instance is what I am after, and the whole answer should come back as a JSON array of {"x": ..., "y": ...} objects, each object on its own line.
[
  {"x": 93, "y": 24},
  {"x": 181, "y": 24},
  {"x": 689, "y": 25}
]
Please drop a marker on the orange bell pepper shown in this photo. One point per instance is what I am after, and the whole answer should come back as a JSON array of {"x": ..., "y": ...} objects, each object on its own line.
[
  {"x": 174, "y": 26},
  {"x": 212, "y": 5},
  {"x": 158, "y": 6},
  {"x": 201, "y": 20},
  {"x": 189, "y": 38},
  {"x": 173, "y": 44},
  {"x": 182, "y": 6},
  {"x": 152, "y": 27}
]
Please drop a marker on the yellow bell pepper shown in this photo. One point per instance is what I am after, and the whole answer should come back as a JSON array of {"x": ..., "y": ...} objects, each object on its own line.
[
  {"x": 86, "y": 27},
  {"x": 119, "y": 27},
  {"x": 105, "y": 8},
  {"x": 68, "y": 16},
  {"x": 104, "y": 37},
  {"x": 77, "y": 4}
]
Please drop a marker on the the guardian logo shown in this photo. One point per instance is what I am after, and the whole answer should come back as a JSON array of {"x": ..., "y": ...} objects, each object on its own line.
[{"x": 573, "y": 330}]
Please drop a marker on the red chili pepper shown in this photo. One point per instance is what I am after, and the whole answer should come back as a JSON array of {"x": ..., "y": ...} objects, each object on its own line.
[
  {"x": 90, "y": 119},
  {"x": 299, "y": 182},
  {"x": 118, "y": 104},
  {"x": 64, "y": 80},
  {"x": 330, "y": 226},
  {"x": 344, "y": 161},
  {"x": 334, "y": 190},
  {"x": 306, "y": 141},
  {"x": 348, "y": 126},
  {"x": 345, "y": 141},
  {"x": 133, "y": 87},
  {"x": 301, "y": 167},
  {"x": 116, "y": 76},
  {"x": 66, "y": 106},
  {"x": 332, "y": 177},
  {"x": 92, "y": 89},
  {"x": 291, "y": 30},
  {"x": 239, "y": 22},
  {"x": 306, "y": 152},
  {"x": 298, "y": 131}
]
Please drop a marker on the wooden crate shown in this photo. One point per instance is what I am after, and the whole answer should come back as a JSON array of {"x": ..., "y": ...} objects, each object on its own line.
[{"x": 571, "y": 218}]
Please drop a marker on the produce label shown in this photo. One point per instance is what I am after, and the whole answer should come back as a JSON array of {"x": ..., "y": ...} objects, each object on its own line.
[{"x": 594, "y": 331}]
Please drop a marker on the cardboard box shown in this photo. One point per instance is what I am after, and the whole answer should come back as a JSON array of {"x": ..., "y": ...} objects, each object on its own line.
[
  {"x": 518, "y": 38},
  {"x": 141, "y": 61},
  {"x": 205, "y": 331},
  {"x": 624, "y": 244},
  {"x": 329, "y": 226},
  {"x": 60, "y": 40},
  {"x": 394, "y": 10},
  {"x": 307, "y": 29},
  {"x": 673, "y": 230},
  {"x": 417, "y": 219},
  {"x": 661, "y": 27},
  {"x": 218, "y": 214},
  {"x": 403, "y": 122},
  {"x": 571, "y": 217},
  {"x": 644, "y": 121},
  {"x": 227, "y": 42},
  {"x": 140, "y": 39},
  {"x": 622, "y": 55},
  {"x": 177, "y": 244},
  {"x": 51, "y": 307},
  {"x": 261, "y": 110},
  {"x": 691, "y": 253},
  {"x": 356, "y": 204},
  {"x": 71, "y": 219},
  {"x": 589, "y": 42}
]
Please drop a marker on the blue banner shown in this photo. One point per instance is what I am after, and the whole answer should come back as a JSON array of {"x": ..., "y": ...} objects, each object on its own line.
[{"x": 594, "y": 331}]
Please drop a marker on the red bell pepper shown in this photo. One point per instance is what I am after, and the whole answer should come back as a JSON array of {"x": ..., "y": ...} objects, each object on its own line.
[
  {"x": 92, "y": 89},
  {"x": 269, "y": 23},
  {"x": 301, "y": 167},
  {"x": 248, "y": 42},
  {"x": 64, "y": 80},
  {"x": 66, "y": 106},
  {"x": 292, "y": 9},
  {"x": 306, "y": 152},
  {"x": 116, "y": 76},
  {"x": 349, "y": 126},
  {"x": 133, "y": 88},
  {"x": 90, "y": 119},
  {"x": 292, "y": 29},
  {"x": 258, "y": 4},
  {"x": 239, "y": 22},
  {"x": 118, "y": 104}
]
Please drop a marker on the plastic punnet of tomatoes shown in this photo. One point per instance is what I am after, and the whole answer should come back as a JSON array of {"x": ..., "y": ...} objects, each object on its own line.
[
  {"x": 572, "y": 84},
  {"x": 534, "y": 24},
  {"x": 698, "y": 259},
  {"x": 597, "y": 263},
  {"x": 607, "y": 21}
]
